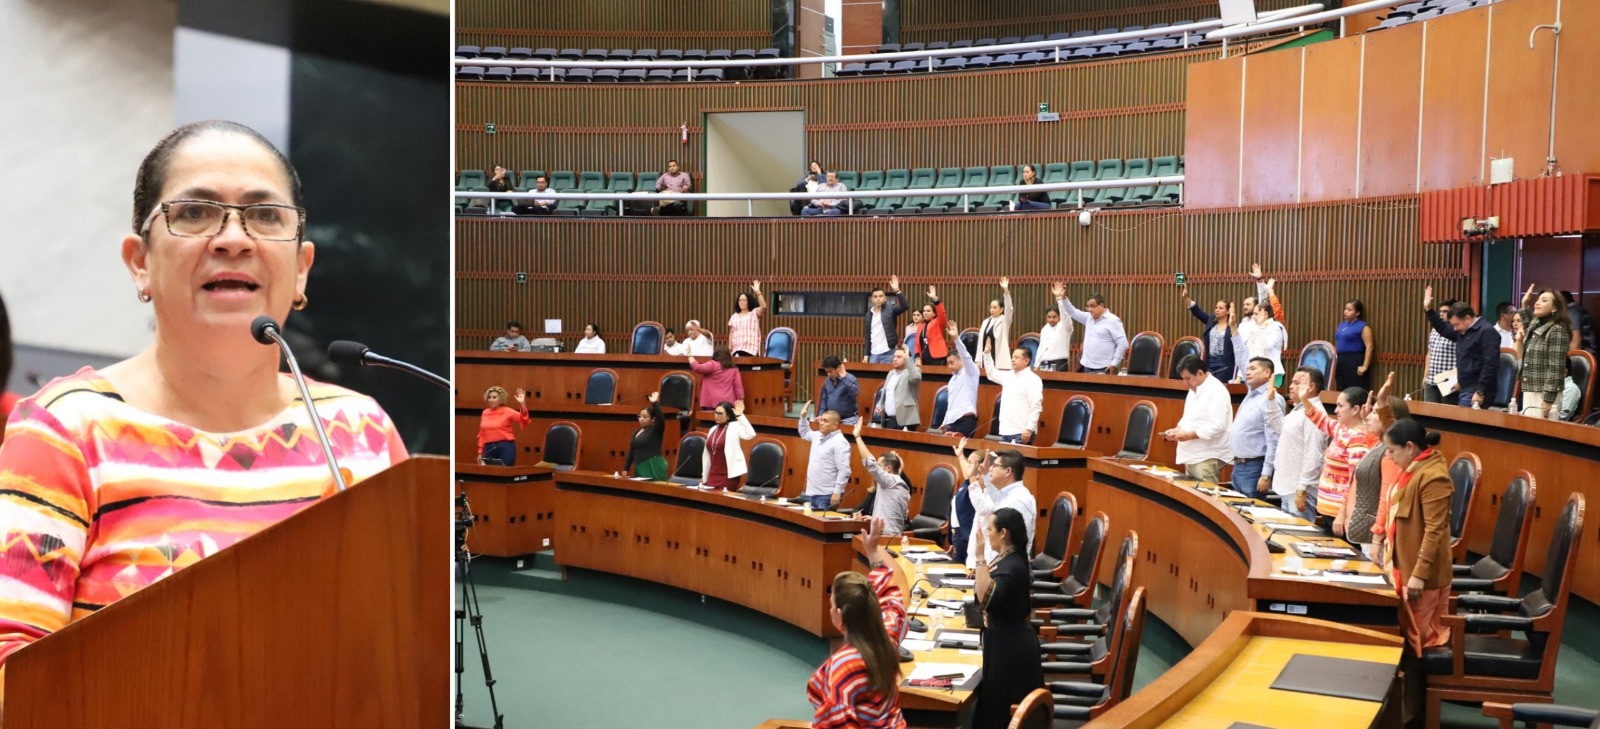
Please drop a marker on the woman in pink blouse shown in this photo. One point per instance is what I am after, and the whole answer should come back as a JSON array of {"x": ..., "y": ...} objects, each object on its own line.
[
  {"x": 719, "y": 378},
  {"x": 744, "y": 327}
]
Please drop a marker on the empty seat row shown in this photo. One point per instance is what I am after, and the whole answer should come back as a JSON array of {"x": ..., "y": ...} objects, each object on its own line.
[
  {"x": 1039, "y": 38},
  {"x": 621, "y": 183},
  {"x": 598, "y": 75},
  {"x": 1425, "y": 10},
  {"x": 487, "y": 53},
  {"x": 1026, "y": 58},
  {"x": 956, "y": 177}
]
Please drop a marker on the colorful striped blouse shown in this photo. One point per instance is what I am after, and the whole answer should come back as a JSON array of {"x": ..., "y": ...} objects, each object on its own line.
[
  {"x": 99, "y": 499},
  {"x": 1346, "y": 448},
  {"x": 840, "y": 689}
]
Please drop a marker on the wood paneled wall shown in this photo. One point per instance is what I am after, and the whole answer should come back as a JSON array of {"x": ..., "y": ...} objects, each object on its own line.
[
  {"x": 619, "y": 272},
  {"x": 615, "y": 24},
  {"x": 929, "y": 20},
  {"x": 1408, "y": 110},
  {"x": 1121, "y": 108}
]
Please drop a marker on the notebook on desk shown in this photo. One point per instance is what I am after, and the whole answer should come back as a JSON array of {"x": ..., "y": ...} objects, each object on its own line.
[{"x": 1341, "y": 677}]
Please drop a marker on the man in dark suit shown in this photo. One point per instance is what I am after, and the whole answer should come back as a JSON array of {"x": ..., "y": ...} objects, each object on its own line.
[
  {"x": 882, "y": 323},
  {"x": 1477, "y": 350}
]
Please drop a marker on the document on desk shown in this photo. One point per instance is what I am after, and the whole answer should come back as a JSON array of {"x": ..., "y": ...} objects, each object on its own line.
[
  {"x": 1321, "y": 551},
  {"x": 928, "y": 557},
  {"x": 962, "y": 583},
  {"x": 1302, "y": 528},
  {"x": 917, "y": 646},
  {"x": 943, "y": 571},
  {"x": 1359, "y": 579},
  {"x": 946, "y": 604},
  {"x": 1266, "y": 512}
]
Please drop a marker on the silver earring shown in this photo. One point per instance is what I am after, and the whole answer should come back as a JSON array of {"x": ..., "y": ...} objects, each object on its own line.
[{"x": 144, "y": 295}]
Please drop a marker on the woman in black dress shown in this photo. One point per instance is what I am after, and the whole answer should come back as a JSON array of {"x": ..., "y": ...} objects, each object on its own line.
[
  {"x": 1011, "y": 664},
  {"x": 644, "y": 450}
]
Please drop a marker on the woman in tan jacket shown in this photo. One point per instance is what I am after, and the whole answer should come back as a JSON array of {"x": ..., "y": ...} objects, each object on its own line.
[{"x": 1418, "y": 532}]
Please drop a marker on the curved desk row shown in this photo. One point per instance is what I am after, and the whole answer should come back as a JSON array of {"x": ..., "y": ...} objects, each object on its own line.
[{"x": 560, "y": 379}]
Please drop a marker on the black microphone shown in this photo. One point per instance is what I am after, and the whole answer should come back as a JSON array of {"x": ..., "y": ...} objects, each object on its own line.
[
  {"x": 265, "y": 330},
  {"x": 344, "y": 351}
]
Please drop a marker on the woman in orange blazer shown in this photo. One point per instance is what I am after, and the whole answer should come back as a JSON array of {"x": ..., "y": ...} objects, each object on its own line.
[{"x": 1418, "y": 532}]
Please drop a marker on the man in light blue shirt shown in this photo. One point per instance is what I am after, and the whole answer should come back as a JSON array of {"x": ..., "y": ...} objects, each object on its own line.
[
  {"x": 829, "y": 468},
  {"x": 1104, "y": 338},
  {"x": 1254, "y": 434},
  {"x": 961, "y": 405}
]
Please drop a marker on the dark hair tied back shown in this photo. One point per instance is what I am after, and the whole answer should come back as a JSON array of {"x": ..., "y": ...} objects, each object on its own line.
[{"x": 152, "y": 174}]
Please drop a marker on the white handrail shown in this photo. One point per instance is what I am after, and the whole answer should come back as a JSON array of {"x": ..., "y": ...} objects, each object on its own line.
[
  {"x": 1285, "y": 14},
  {"x": 852, "y": 194},
  {"x": 1269, "y": 25}
]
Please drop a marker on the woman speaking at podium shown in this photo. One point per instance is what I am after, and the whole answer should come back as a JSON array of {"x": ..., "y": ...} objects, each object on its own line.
[{"x": 112, "y": 479}]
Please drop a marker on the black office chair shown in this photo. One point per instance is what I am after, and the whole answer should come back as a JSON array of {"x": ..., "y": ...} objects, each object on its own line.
[
  {"x": 1083, "y": 658},
  {"x": 601, "y": 388},
  {"x": 1500, "y": 571},
  {"x": 1532, "y": 714},
  {"x": 562, "y": 443},
  {"x": 1184, "y": 347},
  {"x": 1465, "y": 471},
  {"x": 994, "y": 421},
  {"x": 1141, "y": 428},
  {"x": 1030, "y": 342},
  {"x": 1078, "y": 589},
  {"x": 969, "y": 339},
  {"x": 765, "y": 474},
  {"x": 933, "y": 519},
  {"x": 1051, "y": 562},
  {"x": 691, "y": 449},
  {"x": 1085, "y": 700},
  {"x": 1144, "y": 355},
  {"x": 941, "y": 405},
  {"x": 1321, "y": 356},
  {"x": 1076, "y": 417},
  {"x": 1505, "y": 383},
  {"x": 647, "y": 336},
  {"x": 677, "y": 392},
  {"x": 1094, "y": 620},
  {"x": 1580, "y": 367}
]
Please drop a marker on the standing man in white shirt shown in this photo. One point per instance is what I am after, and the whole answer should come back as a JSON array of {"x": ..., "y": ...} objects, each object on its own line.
[
  {"x": 828, "y": 469},
  {"x": 696, "y": 340},
  {"x": 1504, "y": 315},
  {"x": 1104, "y": 338},
  {"x": 1202, "y": 432},
  {"x": 1055, "y": 337},
  {"x": 1021, "y": 397},
  {"x": 1297, "y": 466},
  {"x": 987, "y": 498}
]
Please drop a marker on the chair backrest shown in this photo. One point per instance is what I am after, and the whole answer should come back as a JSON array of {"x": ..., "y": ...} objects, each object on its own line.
[
  {"x": 1184, "y": 347},
  {"x": 1030, "y": 342},
  {"x": 969, "y": 339},
  {"x": 1058, "y": 534},
  {"x": 938, "y": 489},
  {"x": 1321, "y": 356},
  {"x": 1121, "y": 581},
  {"x": 677, "y": 391},
  {"x": 780, "y": 344},
  {"x": 1141, "y": 426},
  {"x": 994, "y": 421},
  {"x": 1144, "y": 355},
  {"x": 1563, "y": 549},
  {"x": 1132, "y": 629},
  {"x": 690, "y": 449},
  {"x": 561, "y": 445},
  {"x": 765, "y": 473},
  {"x": 1076, "y": 418},
  {"x": 1580, "y": 367},
  {"x": 941, "y": 404},
  {"x": 647, "y": 336},
  {"x": 1511, "y": 526},
  {"x": 1087, "y": 562},
  {"x": 1464, "y": 473},
  {"x": 1506, "y": 378},
  {"x": 1037, "y": 711},
  {"x": 601, "y": 389}
]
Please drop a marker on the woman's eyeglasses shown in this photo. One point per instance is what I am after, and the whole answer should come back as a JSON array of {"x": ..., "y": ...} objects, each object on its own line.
[{"x": 206, "y": 218}]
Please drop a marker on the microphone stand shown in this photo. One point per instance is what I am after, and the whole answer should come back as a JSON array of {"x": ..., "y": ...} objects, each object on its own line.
[{"x": 266, "y": 332}]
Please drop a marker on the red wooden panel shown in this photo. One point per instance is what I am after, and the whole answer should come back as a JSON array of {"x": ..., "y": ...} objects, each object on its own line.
[
  {"x": 1211, "y": 134},
  {"x": 1578, "y": 97},
  {"x": 1519, "y": 86},
  {"x": 1332, "y": 99},
  {"x": 1269, "y": 168},
  {"x": 1452, "y": 109},
  {"x": 1391, "y": 90},
  {"x": 863, "y": 27}
]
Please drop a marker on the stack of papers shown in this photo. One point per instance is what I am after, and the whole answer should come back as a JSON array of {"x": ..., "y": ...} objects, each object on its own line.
[
  {"x": 963, "y": 583},
  {"x": 1322, "y": 551},
  {"x": 946, "y": 604},
  {"x": 927, "y": 556},
  {"x": 1266, "y": 513},
  {"x": 946, "y": 571},
  {"x": 1307, "y": 528},
  {"x": 959, "y": 638}
]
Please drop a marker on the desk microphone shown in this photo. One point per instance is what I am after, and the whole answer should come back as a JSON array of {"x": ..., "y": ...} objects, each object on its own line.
[
  {"x": 345, "y": 351},
  {"x": 266, "y": 331}
]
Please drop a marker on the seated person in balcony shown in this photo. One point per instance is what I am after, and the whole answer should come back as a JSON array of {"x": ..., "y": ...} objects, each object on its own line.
[
  {"x": 536, "y": 206},
  {"x": 1021, "y": 396},
  {"x": 1031, "y": 200},
  {"x": 1202, "y": 432},
  {"x": 808, "y": 183},
  {"x": 890, "y": 494},
  {"x": 591, "y": 342},
  {"x": 513, "y": 341},
  {"x": 674, "y": 180},
  {"x": 900, "y": 385},
  {"x": 840, "y": 392},
  {"x": 696, "y": 341},
  {"x": 961, "y": 410},
  {"x": 827, "y": 205}
]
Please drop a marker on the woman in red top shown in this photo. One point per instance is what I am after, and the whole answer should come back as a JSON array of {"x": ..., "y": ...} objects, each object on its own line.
[
  {"x": 719, "y": 378},
  {"x": 858, "y": 686},
  {"x": 930, "y": 344},
  {"x": 495, "y": 439}
]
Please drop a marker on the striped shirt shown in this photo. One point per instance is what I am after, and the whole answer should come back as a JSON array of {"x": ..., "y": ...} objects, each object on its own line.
[
  {"x": 744, "y": 332},
  {"x": 1345, "y": 451},
  {"x": 840, "y": 689},
  {"x": 99, "y": 499}
]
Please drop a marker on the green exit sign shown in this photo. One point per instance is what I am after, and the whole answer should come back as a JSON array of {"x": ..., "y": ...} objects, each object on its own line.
[
  {"x": 522, "y": 278},
  {"x": 488, "y": 128},
  {"x": 1044, "y": 107}
]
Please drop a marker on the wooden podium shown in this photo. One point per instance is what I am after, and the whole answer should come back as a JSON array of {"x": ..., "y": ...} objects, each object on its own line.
[{"x": 337, "y": 616}]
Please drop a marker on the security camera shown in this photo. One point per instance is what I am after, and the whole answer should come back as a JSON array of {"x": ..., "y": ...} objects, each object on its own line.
[
  {"x": 1083, "y": 218},
  {"x": 1474, "y": 227}
]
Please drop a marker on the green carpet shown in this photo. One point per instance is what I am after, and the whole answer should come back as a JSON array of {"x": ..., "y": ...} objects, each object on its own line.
[{"x": 599, "y": 650}]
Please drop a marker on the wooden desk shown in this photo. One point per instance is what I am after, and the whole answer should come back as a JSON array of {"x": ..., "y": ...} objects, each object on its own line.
[
  {"x": 1201, "y": 560},
  {"x": 513, "y": 508},
  {"x": 1113, "y": 396},
  {"x": 559, "y": 379},
  {"x": 1226, "y": 679},
  {"x": 766, "y": 557}
]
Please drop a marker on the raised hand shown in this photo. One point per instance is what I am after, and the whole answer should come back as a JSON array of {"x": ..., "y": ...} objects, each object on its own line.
[
  {"x": 654, "y": 397},
  {"x": 857, "y": 430},
  {"x": 521, "y": 396},
  {"x": 755, "y": 286},
  {"x": 738, "y": 408},
  {"x": 806, "y": 408},
  {"x": 1527, "y": 298},
  {"x": 1059, "y": 289},
  {"x": 932, "y": 292},
  {"x": 894, "y": 283},
  {"x": 872, "y": 535},
  {"x": 1183, "y": 293},
  {"x": 961, "y": 446},
  {"x": 1383, "y": 392},
  {"x": 1427, "y": 297},
  {"x": 1270, "y": 283},
  {"x": 952, "y": 329},
  {"x": 1517, "y": 331},
  {"x": 1005, "y": 283},
  {"x": 1255, "y": 271}
]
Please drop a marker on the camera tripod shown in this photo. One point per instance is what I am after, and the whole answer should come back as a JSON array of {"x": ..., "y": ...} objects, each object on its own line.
[{"x": 468, "y": 612}]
